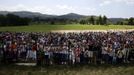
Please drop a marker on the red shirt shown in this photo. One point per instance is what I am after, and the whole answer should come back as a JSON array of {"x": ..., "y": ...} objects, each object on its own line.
[
  {"x": 77, "y": 52},
  {"x": 34, "y": 48}
]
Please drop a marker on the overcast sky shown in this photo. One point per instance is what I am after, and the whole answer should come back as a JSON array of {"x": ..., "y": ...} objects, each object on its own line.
[{"x": 110, "y": 8}]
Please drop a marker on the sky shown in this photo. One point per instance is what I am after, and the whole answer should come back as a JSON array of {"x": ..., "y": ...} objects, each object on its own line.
[{"x": 110, "y": 8}]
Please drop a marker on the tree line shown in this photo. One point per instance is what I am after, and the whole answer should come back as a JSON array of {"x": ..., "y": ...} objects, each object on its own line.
[
  {"x": 129, "y": 21},
  {"x": 54, "y": 21},
  {"x": 13, "y": 20},
  {"x": 92, "y": 20}
]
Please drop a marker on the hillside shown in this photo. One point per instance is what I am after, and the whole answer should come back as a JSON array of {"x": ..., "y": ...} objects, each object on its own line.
[{"x": 29, "y": 14}]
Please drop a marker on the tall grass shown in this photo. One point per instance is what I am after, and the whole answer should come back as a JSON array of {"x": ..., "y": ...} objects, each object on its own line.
[{"x": 68, "y": 70}]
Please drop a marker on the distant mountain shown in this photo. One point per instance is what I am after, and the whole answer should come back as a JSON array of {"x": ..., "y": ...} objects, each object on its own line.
[
  {"x": 72, "y": 16},
  {"x": 28, "y": 14},
  {"x": 115, "y": 20},
  {"x": 43, "y": 16},
  {"x": 40, "y": 15},
  {"x": 4, "y": 12}
]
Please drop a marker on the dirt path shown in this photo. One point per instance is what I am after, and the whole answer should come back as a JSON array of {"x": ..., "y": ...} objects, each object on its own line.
[{"x": 78, "y": 31}]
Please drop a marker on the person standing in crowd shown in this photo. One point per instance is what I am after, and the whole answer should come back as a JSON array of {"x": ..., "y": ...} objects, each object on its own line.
[
  {"x": 23, "y": 51},
  {"x": 29, "y": 52},
  {"x": 119, "y": 56},
  {"x": 105, "y": 56},
  {"x": 15, "y": 51},
  {"x": 4, "y": 60},
  {"x": 71, "y": 56},
  {"x": 47, "y": 56},
  {"x": 40, "y": 54},
  {"x": 86, "y": 56},
  {"x": 34, "y": 49},
  {"x": 1, "y": 50},
  {"x": 77, "y": 55},
  {"x": 110, "y": 53},
  {"x": 125, "y": 53}
]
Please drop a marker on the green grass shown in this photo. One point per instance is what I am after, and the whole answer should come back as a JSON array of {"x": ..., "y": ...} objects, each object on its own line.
[
  {"x": 47, "y": 28},
  {"x": 68, "y": 70}
]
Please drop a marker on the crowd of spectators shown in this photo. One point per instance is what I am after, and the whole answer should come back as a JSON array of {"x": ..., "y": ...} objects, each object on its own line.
[{"x": 67, "y": 48}]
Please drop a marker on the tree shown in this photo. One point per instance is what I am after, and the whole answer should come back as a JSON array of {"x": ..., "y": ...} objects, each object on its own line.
[
  {"x": 13, "y": 20},
  {"x": 82, "y": 21},
  {"x": 120, "y": 23},
  {"x": 92, "y": 20},
  {"x": 104, "y": 20},
  {"x": 131, "y": 21},
  {"x": 100, "y": 20},
  {"x": 3, "y": 21}
]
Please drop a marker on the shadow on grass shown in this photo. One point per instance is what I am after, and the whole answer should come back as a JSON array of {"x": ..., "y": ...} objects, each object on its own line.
[
  {"x": 61, "y": 67},
  {"x": 79, "y": 69}
]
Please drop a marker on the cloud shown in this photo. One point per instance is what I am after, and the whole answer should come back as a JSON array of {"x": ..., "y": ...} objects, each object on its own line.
[
  {"x": 13, "y": 8},
  {"x": 65, "y": 7},
  {"x": 125, "y": 1},
  {"x": 57, "y": 9},
  {"x": 129, "y": 1},
  {"x": 62, "y": 9},
  {"x": 90, "y": 9},
  {"x": 21, "y": 7},
  {"x": 107, "y": 2}
]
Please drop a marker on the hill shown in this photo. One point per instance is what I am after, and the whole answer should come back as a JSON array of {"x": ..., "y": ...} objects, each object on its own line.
[
  {"x": 29, "y": 14},
  {"x": 72, "y": 16},
  {"x": 115, "y": 20},
  {"x": 42, "y": 16}
]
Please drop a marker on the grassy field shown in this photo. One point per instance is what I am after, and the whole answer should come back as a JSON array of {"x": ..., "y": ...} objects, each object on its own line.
[
  {"x": 47, "y": 28},
  {"x": 68, "y": 70}
]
